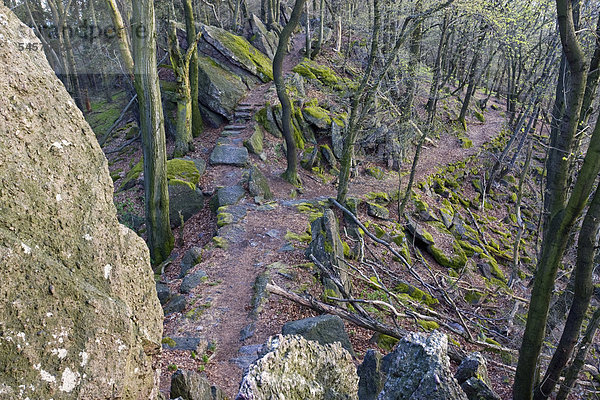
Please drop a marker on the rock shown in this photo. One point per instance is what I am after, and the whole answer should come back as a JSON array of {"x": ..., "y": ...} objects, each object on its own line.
[
  {"x": 473, "y": 378},
  {"x": 191, "y": 257},
  {"x": 371, "y": 378},
  {"x": 163, "y": 292},
  {"x": 266, "y": 119},
  {"x": 239, "y": 52},
  {"x": 184, "y": 201},
  {"x": 254, "y": 143},
  {"x": 261, "y": 38},
  {"x": 476, "y": 389},
  {"x": 260, "y": 294},
  {"x": 191, "y": 386},
  {"x": 375, "y": 172},
  {"x": 326, "y": 246},
  {"x": 80, "y": 313},
  {"x": 377, "y": 211},
  {"x": 177, "y": 304},
  {"x": 258, "y": 186},
  {"x": 227, "y": 196},
  {"x": 310, "y": 158},
  {"x": 419, "y": 368},
  {"x": 199, "y": 163},
  {"x": 247, "y": 332},
  {"x": 294, "y": 368},
  {"x": 473, "y": 365},
  {"x": 328, "y": 155},
  {"x": 211, "y": 118},
  {"x": 192, "y": 281},
  {"x": 229, "y": 155},
  {"x": 323, "y": 329},
  {"x": 219, "y": 89},
  {"x": 417, "y": 231},
  {"x": 247, "y": 355},
  {"x": 337, "y": 140},
  {"x": 317, "y": 116},
  {"x": 195, "y": 344}
]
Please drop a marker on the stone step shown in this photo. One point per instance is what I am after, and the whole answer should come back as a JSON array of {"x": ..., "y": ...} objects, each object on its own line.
[
  {"x": 235, "y": 127},
  {"x": 229, "y": 155},
  {"x": 230, "y": 133},
  {"x": 244, "y": 109}
]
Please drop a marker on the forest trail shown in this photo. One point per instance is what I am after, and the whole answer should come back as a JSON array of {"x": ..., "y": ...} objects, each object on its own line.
[{"x": 222, "y": 307}]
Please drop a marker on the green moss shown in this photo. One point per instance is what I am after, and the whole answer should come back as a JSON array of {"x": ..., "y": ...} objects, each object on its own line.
[
  {"x": 311, "y": 70},
  {"x": 319, "y": 113},
  {"x": 244, "y": 51},
  {"x": 428, "y": 325},
  {"x": 347, "y": 252},
  {"x": 479, "y": 116},
  {"x": 456, "y": 261},
  {"x": 470, "y": 249},
  {"x": 379, "y": 231},
  {"x": 378, "y": 197},
  {"x": 416, "y": 294},
  {"x": 494, "y": 267},
  {"x": 327, "y": 293},
  {"x": 220, "y": 242},
  {"x": 375, "y": 172},
  {"x": 473, "y": 296},
  {"x": 305, "y": 237},
  {"x": 386, "y": 343},
  {"x": 224, "y": 218},
  {"x": 169, "y": 342}
]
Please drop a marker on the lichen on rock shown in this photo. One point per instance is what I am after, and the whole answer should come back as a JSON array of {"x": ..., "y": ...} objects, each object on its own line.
[{"x": 80, "y": 313}]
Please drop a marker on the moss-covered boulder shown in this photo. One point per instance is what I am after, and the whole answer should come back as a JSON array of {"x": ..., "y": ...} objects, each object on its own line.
[
  {"x": 258, "y": 185},
  {"x": 328, "y": 155},
  {"x": 254, "y": 143},
  {"x": 80, "y": 314},
  {"x": 185, "y": 197},
  {"x": 317, "y": 116},
  {"x": 219, "y": 89},
  {"x": 239, "y": 52},
  {"x": 264, "y": 40},
  {"x": 311, "y": 157},
  {"x": 377, "y": 211},
  {"x": 446, "y": 250},
  {"x": 312, "y": 70},
  {"x": 266, "y": 119}
]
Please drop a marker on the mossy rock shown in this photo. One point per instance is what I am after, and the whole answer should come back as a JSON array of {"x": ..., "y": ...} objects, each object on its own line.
[
  {"x": 416, "y": 294},
  {"x": 224, "y": 219},
  {"x": 311, "y": 70},
  {"x": 179, "y": 171},
  {"x": 328, "y": 155},
  {"x": 254, "y": 143},
  {"x": 454, "y": 257},
  {"x": 381, "y": 198},
  {"x": 317, "y": 116},
  {"x": 377, "y": 211},
  {"x": 220, "y": 242},
  {"x": 385, "y": 342},
  {"x": 375, "y": 172},
  {"x": 266, "y": 119},
  {"x": 428, "y": 325},
  {"x": 219, "y": 89},
  {"x": 239, "y": 51},
  {"x": 479, "y": 116}
]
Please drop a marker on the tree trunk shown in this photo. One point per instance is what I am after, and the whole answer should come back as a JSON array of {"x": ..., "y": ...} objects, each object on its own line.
[
  {"x": 308, "y": 43},
  {"x": 560, "y": 218},
  {"x": 160, "y": 237},
  {"x": 291, "y": 173},
  {"x": 190, "y": 27},
  {"x": 319, "y": 43}
]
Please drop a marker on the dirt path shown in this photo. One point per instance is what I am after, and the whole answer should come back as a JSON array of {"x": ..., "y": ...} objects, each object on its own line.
[{"x": 222, "y": 306}]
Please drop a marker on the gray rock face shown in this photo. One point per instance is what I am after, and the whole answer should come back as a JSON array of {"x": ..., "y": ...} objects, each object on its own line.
[
  {"x": 183, "y": 202},
  {"x": 191, "y": 257},
  {"x": 227, "y": 196},
  {"x": 80, "y": 314},
  {"x": 176, "y": 304},
  {"x": 163, "y": 292},
  {"x": 254, "y": 144},
  {"x": 258, "y": 184},
  {"x": 296, "y": 369},
  {"x": 192, "y": 281},
  {"x": 261, "y": 38},
  {"x": 229, "y": 155},
  {"x": 324, "y": 329},
  {"x": 377, "y": 211},
  {"x": 419, "y": 368},
  {"x": 219, "y": 89},
  {"x": 473, "y": 378},
  {"x": 189, "y": 385},
  {"x": 337, "y": 141},
  {"x": 326, "y": 246},
  {"x": 371, "y": 378}
]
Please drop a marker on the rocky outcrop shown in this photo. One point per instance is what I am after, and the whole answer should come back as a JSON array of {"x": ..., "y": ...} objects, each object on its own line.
[
  {"x": 80, "y": 318},
  {"x": 219, "y": 89},
  {"x": 473, "y": 378},
  {"x": 296, "y": 369},
  {"x": 262, "y": 38},
  {"x": 419, "y": 368},
  {"x": 324, "y": 329}
]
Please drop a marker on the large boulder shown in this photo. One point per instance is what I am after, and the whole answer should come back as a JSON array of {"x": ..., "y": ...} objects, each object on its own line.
[
  {"x": 238, "y": 52},
  {"x": 294, "y": 368},
  {"x": 473, "y": 378},
  {"x": 419, "y": 368},
  {"x": 323, "y": 329},
  {"x": 219, "y": 89},
  {"x": 262, "y": 38},
  {"x": 80, "y": 317}
]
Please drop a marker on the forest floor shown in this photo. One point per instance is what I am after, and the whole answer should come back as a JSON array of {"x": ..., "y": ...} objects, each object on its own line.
[{"x": 225, "y": 300}]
